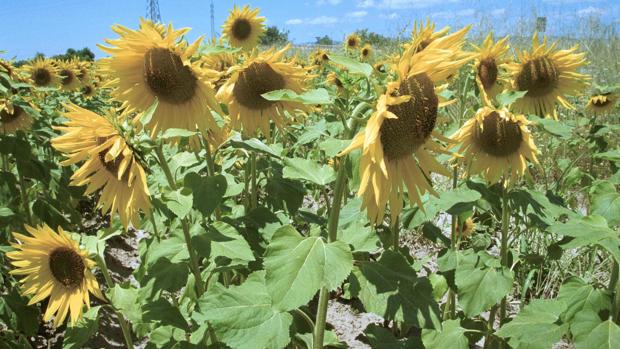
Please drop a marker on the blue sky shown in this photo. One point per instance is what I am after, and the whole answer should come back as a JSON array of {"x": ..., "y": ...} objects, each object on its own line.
[{"x": 51, "y": 27}]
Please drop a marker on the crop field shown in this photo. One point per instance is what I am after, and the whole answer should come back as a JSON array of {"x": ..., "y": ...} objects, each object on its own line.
[{"x": 448, "y": 188}]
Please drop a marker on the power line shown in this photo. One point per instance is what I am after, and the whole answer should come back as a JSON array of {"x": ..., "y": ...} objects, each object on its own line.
[{"x": 152, "y": 11}]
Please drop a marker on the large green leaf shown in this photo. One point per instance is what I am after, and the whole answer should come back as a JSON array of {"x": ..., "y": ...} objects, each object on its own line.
[
  {"x": 177, "y": 133},
  {"x": 253, "y": 144},
  {"x": 481, "y": 282},
  {"x": 457, "y": 200},
  {"x": 309, "y": 170},
  {"x": 126, "y": 300},
  {"x": 207, "y": 192},
  {"x": 509, "y": 97},
  {"x": 604, "y": 336},
  {"x": 162, "y": 311},
  {"x": 612, "y": 155},
  {"x": 554, "y": 127},
  {"x": 451, "y": 335},
  {"x": 579, "y": 295},
  {"x": 243, "y": 316},
  {"x": 297, "y": 267},
  {"x": 352, "y": 65},
  {"x": 179, "y": 202},
  {"x": 382, "y": 338},
  {"x": 589, "y": 230},
  {"x": 313, "y": 97},
  {"x": 223, "y": 245},
  {"x": 390, "y": 288},
  {"x": 361, "y": 237},
  {"x": 536, "y": 326},
  {"x": 77, "y": 335},
  {"x": 606, "y": 202}
]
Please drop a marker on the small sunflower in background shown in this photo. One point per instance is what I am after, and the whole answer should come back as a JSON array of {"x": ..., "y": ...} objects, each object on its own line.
[
  {"x": 352, "y": 42},
  {"x": 333, "y": 79},
  {"x": 243, "y": 28},
  {"x": 54, "y": 266},
  {"x": 489, "y": 66},
  {"x": 146, "y": 65},
  {"x": 548, "y": 75},
  {"x": 68, "y": 76},
  {"x": 110, "y": 164},
  {"x": 423, "y": 34},
  {"x": 496, "y": 143},
  {"x": 43, "y": 73},
  {"x": 88, "y": 90},
  {"x": 320, "y": 57},
  {"x": 83, "y": 70},
  {"x": 10, "y": 70},
  {"x": 601, "y": 103},
  {"x": 380, "y": 67},
  {"x": 13, "y": 118},
  {"x": 467, "y": 228},
  {"x": 261, "y": 73},
  {"x": 399, "y": 134},
  {"x": 366, "y": 52}
]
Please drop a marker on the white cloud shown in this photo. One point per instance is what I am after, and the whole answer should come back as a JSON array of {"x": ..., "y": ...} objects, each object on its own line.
[
  {"x": 357, "y": 14},
  {"x": 392, "y": 15},
  {"x": 452, "y": 14},
  {"x": 294, "y": 21},
  {"x": 590, "y": 11},
  {"x": 402, "y": 4},
  {"x": 498, "y": 12},
  {"x": 322, "y": 20},
  {"x": 330, "y": 2},
  {"x": 365, "y": 3}
]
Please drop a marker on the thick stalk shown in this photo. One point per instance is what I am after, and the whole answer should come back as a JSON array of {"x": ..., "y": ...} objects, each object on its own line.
[
  {"x": 121, "y": 319},
  {"x": 253, "y": 189},
  {"x": 395, "y": 227},
  {"x": 193, "y": 259},
  {"x": 504, "y": 246},
  {"x": 24, "y": 195},
  {"x": 211, "y": 171},
  {"x": 613, "y": 290}
]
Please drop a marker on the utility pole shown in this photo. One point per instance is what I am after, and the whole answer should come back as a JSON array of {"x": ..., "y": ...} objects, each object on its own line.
[
  {"x": 152, "y": 11},
  {"x": 212, "y": 21}
]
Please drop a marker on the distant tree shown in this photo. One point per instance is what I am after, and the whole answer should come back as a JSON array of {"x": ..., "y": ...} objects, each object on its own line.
[
  {"x": 372, "y": 38},
  {"x": 84, "y": 54},
  {"x": 325, "y": 40},
  {"x": 274, "y": 36}
]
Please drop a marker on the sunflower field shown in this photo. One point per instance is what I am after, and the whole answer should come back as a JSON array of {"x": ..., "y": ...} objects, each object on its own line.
[{"x": 444, "y": 193}]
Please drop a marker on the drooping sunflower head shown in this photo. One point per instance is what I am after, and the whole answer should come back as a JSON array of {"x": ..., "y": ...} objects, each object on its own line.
[
  {"x": 352, "y": 42},
  {"x": 54, "y": 266},
  {"x": 320, "y": 57},
  {"x": 243, "y": 28},
  {"x": 110, "y": 164},
  {"x": 68, "y": 73},
  {"x": 83, "y": 69},
  {"x": 399, "y": 135},
  {"x": 365, "y": 52},
  {"x": 548, "y": 75},
  {"x": 219, "y": 62},
  {"x": 602, "y": 103},
  {"x": 333, "y": 79},
  {"x": 496, "y": 143},
  {"x": 467, "y": 228},
  {"x": 423, "y": 34},
  {"x": 43, "y": 73},
  {"x": 9, "y": 69},
  {"x": 259, "y": 74},
  {"x": 88, "y": 90},
  {"x": 13, "y": 117},
  {"x": 489, "y": 66},
  {"x": 146, "y": 65}
]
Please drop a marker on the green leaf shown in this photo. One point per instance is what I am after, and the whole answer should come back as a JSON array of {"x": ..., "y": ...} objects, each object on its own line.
[
  {"x": 352, "y": 65},
  {"x": 224, "y": 244},
  {"x": 306, "y": 169},
  {"x": 612, "y": 155},
  {"x": 606, "y": 202},
  {"x": 582, "y": 325},
  {"x": 126, "y": 301},
  {"x": 207, "y": 192},
  {"x": 330, "y": 340},
  {"x": 296, "y": 267},
  {"x": 214, "y": 50},
  {"x": 390, "y": 288},
  {"x": 313, "y": 132},
  {"x": 285, "y": 193},
  {"x": 362, "y": 238},
  {"x": 6, "y": 212},
  {"x": 579, "y": 295},
  {"x": 177, "y": 132},
  {"x": 147, "y": 115},
  {"x": 604, "y": 336},
  {"x": 253, "y": 144},
  {"x": 382, "y": 338},
  {"x": 458, "y": 200},
  {"x": 536, "y": 326},
  {"x": 161, "y": 310},
  {"x": 173, "y": 249},
  {"x": 554, "y": 127},
  {"x": 509, "y": 97},
  {"x": 167, "y": 275},
  {"x": 315, "y": 96},
  {"x": 179, "y": 202},
  {"x": 586, "y": 231},
  {"x": 243, "y": 316},
  {"x": 333, "y": 146},
  {"x": 451, "y": 335},
  {"x": 80, "y": 333}
]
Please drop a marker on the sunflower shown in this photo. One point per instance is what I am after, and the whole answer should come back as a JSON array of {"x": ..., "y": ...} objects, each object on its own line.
[
  {"x": 110, "y": 163},
  {"x": 489, "y": 66},
  {"x": 333, "y": 79},
  {"x": 601, "y": 103},
  {"x": 43, "y": 73},
  {"x": 88, "y": 90},
  {"x": 243, "y": 28},
  {"x": 496, "y": 142},
  {"x": 547, "y": 74},
  {"x": 220, "y": 62},
  {"x": 402, "y": 126},
  {"x": 8, "y": 68},
  {"x": 467, "y": 228},
  {"x": 320, "y": 57},
  {"x": 68, "y": 76},
  {"x": 54, "y": 266},
  {"x": 366, "y": 51},
  {"x": 352, "y": 42},
  {"x": 83, "y": 70},
  {"x": 148, "y": 66},
  {"x": 423, "y": 34},
  {"x": 259, "y": 74},
  {"x": 13, "y": 117}
]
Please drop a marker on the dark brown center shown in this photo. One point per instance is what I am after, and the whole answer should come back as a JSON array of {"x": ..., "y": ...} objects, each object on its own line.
[
  {"x": 167, "y": 77},
  {"x": 365, "y": 52},
  {"x": 241, "y": 29},
  {"x": 67, "y": 267},
  {"x": 538, "y": 77},
  {"x": 497, "y": 136},
  {"x": 113, "y": 166},
  {"x": 41, "y": 77},
  {"x": 82, "y": 73},
  {"x": 7, "y": 117},
  {"x": 87, "y": 90},
  {"x": 423, "y": 44},
  {"x": 352, "y": 42},
  {"x": 416, "y": 118},
  {"x": 487, "y": 72},
  {"x": 67, "y": 76},
  {"x": 253, "y": 81}
]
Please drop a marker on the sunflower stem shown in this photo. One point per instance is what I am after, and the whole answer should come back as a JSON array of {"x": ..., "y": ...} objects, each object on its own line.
[
  {"x": 504, "y": 247},
  {"x": 24, "y": 194},
  {"x": 121, "y": 319},
  {"x": 395, "y": 234},
  {"x": 253, "y": 189},
  {"x": 332, "y": 234},
  {"x": 614, "y": 288},
  {"x": 211, "y": 170},
  {"x": 193, "y": 259}
]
